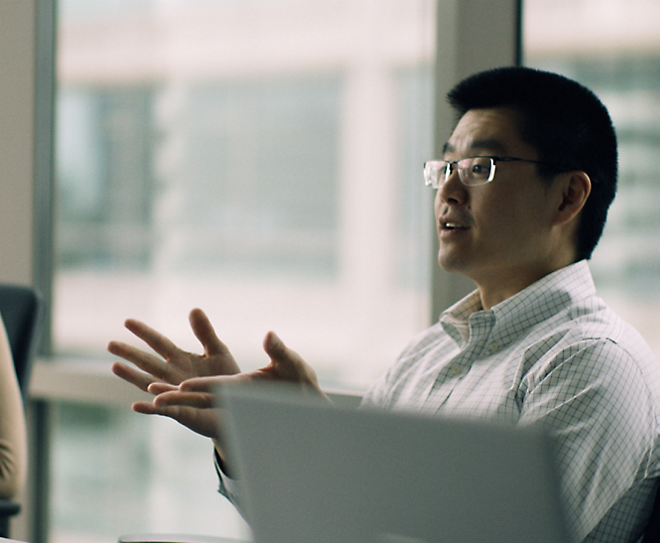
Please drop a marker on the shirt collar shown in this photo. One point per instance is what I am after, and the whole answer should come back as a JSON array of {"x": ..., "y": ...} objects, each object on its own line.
[{"x": 534, "y": 304}]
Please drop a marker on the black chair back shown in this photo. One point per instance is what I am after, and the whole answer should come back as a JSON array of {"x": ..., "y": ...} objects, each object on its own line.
[
  {"x": 652, "y": 534},
  {"x": 21, "y": 309}
]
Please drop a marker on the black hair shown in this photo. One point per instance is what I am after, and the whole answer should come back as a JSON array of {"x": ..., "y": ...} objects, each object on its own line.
[{"x": 567, "y": 125}]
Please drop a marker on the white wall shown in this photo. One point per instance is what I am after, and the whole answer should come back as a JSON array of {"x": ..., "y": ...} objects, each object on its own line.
[{"x": 17, "y": 72}]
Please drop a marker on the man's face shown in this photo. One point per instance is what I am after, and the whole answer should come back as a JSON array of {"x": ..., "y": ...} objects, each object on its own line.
[{"x": 499, "y": 231}]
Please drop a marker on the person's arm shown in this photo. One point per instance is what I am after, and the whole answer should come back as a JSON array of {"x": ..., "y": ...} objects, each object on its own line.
[
  {"x": 599, "y": 410},
  {"x": 13, "y": 441}
]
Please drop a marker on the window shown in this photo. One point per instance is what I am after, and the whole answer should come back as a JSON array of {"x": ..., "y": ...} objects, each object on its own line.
[
  {"x": 256, "y": 159},
  {"x": 259, "y": 159},
  {"x": 612, "y": 48}
]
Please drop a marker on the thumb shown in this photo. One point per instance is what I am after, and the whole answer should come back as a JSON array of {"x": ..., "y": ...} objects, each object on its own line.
[
  {"x": 287, "y": 365},
  {"x": 284, "y": 363},
  {"x": 277, "y": 351}
]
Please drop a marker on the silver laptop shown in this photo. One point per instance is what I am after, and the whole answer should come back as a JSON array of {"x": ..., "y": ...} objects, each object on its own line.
[{"x": 313, "y": 473}]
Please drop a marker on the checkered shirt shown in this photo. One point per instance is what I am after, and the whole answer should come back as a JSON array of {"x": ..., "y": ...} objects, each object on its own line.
[{"x": 554, "y": 355}]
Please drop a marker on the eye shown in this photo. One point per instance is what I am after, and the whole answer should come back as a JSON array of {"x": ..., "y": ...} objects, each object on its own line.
[{"x": 480, "y": 167}]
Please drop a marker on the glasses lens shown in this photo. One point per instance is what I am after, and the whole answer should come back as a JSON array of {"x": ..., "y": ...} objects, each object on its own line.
[
  {"x": 476, "y": 170},
  {"x": 434, "y": 173}
]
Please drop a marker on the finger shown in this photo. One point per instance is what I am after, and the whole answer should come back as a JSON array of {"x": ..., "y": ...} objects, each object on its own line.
[
  {"x": 202, "y": 421},
  {"x": 157, "y": 341},
  {"x": 211, "y": 384},
  {"x": 147, "y": 362},
  {"x": 185, "y": 399},
  {"x": 287, "y": 365},
  {"x": 150, "y": 408},
  {"x": 274, "y": 346},
  {"x": 146, "y": 408},
  {"x": 205, "y": 333},
  {"x": 158, "y": 388},
  {"x": 130, "y": 374},
  {"x": 284, "y": 360}
]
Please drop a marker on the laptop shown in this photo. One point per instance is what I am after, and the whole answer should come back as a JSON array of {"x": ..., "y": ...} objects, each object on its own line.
[{"x": 314, "y": 473}]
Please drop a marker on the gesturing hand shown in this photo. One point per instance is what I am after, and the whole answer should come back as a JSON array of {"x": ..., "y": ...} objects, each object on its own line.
[
  {"x": 184, "y": 383},
  {"x": 197, "y": 395},
  {"x": 156, "y": 375},
  {"x": 285, "y": 365}
]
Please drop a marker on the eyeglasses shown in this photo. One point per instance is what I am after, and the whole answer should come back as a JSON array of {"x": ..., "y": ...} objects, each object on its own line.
[{"x": 472, "y": 171}]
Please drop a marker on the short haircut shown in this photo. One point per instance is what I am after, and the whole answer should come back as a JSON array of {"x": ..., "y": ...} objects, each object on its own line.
[{"x": 567, "y": 125}]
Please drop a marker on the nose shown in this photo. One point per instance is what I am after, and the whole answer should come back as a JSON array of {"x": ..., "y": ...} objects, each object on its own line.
[{"x": 452, "y": 191}]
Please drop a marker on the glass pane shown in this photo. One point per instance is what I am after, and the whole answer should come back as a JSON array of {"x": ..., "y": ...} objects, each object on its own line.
[
  {"x": 613, "y": 48},
  {"x": 260, "y": 159}
]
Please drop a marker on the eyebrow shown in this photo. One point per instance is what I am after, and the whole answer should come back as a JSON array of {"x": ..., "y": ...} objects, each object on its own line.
[{"x": 478, "y": 145}]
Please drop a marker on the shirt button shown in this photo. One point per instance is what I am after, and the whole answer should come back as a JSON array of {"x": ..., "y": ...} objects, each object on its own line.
[
  {"x": 494, "y": 347},
  {"x": 454, "y": 370}
]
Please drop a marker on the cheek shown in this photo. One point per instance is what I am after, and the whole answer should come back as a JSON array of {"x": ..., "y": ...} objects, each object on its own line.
[
  {"x": 436, "y": 202},
  {"x": 505, "y": 217},
  {"x": 516, "y": 199},
  {"x": 522, "y": 220}
]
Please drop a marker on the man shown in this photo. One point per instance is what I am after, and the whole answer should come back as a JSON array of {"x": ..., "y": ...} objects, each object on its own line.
[{"x": 522, "y": 196}]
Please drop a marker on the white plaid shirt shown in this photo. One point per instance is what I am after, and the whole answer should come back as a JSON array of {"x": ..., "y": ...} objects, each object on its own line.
[{"x": 553, "y": 355}]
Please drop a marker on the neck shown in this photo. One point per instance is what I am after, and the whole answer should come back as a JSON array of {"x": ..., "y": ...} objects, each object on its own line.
[{"x": 496, "y": 290}]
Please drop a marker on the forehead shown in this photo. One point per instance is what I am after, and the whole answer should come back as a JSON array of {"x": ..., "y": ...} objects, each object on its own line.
[{"x": 488, "y": 131}]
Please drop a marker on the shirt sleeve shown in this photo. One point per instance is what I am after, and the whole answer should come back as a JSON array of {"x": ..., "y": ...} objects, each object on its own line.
[
  {"x": 228, "y": 487},
  {"x": 594, "y": 402},
  {"x": 376, "y": 394},
  {"x": 13, "y": 441}
]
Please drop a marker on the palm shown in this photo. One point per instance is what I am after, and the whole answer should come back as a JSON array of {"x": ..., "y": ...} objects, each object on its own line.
[
  {"x": 174, "y": 365},
  {"x": 182, "y": 365},
  {"x": 158, "y": 374}
]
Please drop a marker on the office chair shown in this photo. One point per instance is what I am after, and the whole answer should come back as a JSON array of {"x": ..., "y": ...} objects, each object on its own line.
[
  {"x": 21, "y": 309},
  {"x": 652, "y": 533}
]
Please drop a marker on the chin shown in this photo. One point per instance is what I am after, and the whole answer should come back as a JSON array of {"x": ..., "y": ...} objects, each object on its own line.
[
  {"x": 456, "y": 263},
  {"x": 450, "y": 263}
]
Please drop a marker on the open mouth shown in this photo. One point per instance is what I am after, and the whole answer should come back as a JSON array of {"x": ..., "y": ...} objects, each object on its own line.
[{"x": 452, "y": 226}]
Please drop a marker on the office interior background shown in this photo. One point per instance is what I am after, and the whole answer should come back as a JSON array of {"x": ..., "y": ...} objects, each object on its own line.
[{"x": 261, "y": 159}]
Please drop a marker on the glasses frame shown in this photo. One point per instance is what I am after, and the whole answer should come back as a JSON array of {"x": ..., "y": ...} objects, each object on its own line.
[{"x": 436, "y": 184}]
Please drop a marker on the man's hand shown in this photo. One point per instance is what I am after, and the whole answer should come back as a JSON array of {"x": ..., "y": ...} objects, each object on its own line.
[
  {"x": 183, "y": 383},
  {"x": 197, "y": 395},
  {"x": 285, "y": 366},
  {"x": 157, "y": 375}
]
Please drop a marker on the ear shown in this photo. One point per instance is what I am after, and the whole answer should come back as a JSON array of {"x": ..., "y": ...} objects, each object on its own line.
[{"x": 575, "y": 188}]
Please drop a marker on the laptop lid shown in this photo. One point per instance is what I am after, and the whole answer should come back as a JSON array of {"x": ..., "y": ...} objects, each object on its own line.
[{"x": 314, "y": 473}]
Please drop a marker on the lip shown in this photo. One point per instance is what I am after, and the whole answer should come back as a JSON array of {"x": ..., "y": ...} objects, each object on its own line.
[
  {"x": 450, "y": 223},
  {"x": 449, "y": 228}
]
